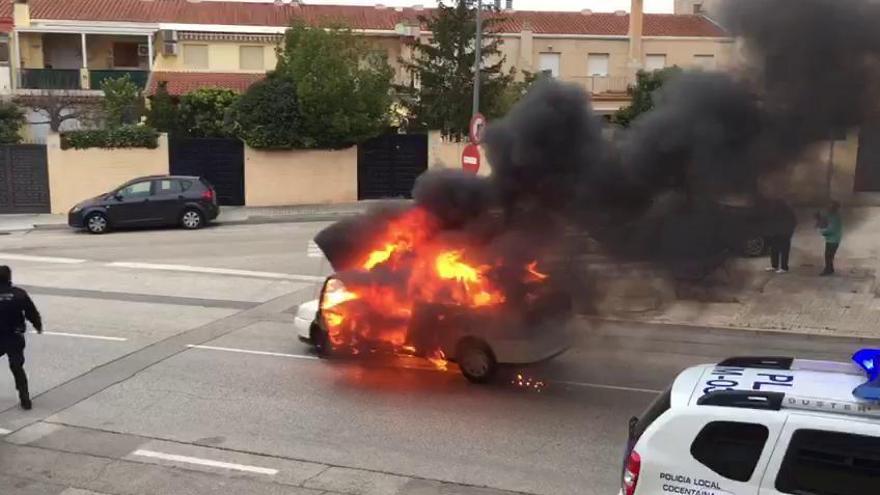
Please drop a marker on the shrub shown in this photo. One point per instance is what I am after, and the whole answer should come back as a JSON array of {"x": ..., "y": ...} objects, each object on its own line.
[
  {"x": 163, "y": 115},
  {"x": 120, "y": 101},
  {"x": 203, "y": 112},
  {"x": 11, "y": 120},
  {"x": 267, "y": 116},
  {"x": 126, "y": 136}
]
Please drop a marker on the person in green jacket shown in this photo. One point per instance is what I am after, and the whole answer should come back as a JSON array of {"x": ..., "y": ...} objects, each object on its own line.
[{"x": 832, "y": 230}]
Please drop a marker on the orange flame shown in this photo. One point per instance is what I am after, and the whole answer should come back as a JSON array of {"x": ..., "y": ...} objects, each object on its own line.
[{"x": 415, "y": 267}]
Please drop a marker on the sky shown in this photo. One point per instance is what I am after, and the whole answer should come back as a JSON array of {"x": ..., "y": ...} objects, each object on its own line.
[{"x": 595, "y": 5}]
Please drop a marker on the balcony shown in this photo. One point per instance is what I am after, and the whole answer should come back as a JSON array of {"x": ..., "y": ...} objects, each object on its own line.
[
  {"x": 50, "y": 79},
  {"x": 98, "y": 76},
  {"x": 600, "y": 85}
]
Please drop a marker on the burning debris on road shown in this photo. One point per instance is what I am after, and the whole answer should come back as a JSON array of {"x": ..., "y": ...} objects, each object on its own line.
[{"x": 468, "y": 265}]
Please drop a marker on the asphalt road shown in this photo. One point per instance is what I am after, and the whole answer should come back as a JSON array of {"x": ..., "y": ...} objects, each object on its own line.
[{"x": 172, "y": 367}]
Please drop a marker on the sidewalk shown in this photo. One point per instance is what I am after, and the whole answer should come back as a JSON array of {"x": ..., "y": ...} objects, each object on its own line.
[
  {"x": 229, "y": 215},
  {"x": 846, "y": 304}
]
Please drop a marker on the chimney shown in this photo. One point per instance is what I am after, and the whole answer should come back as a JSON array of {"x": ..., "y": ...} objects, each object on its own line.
[
  {"x": 636, "y": 24},
  {"x": 21, "y": 13}
]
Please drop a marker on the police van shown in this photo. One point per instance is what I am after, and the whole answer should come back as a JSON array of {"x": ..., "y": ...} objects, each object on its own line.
[{"x": 761, "y": 426}]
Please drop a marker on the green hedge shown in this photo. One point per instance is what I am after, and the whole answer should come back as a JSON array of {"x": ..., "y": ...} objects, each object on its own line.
[{"x": 127, "y": 136}]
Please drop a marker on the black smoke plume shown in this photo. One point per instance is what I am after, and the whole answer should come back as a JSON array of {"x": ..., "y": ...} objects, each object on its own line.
[{"x": 661, "y": 191}]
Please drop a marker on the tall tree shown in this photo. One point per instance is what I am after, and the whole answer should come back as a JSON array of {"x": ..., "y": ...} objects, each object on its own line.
[
  {"x": 267, "y": 116},
  {"x": 441, "y": 96},
  {"x": 120, "y": 101},
  {"x": 343, "y": 88}
]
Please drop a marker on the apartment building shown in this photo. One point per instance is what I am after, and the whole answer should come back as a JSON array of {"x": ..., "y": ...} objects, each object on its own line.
[{"x": 73, "y": 45}]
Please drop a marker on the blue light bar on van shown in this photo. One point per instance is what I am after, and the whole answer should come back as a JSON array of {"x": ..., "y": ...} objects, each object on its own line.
[{"x": 868, "y": 360}]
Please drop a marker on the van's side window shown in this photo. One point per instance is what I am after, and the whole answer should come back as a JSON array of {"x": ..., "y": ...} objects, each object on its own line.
[
  {"x": 830, "y": 463},
  {"x": 730, "y": 449}
]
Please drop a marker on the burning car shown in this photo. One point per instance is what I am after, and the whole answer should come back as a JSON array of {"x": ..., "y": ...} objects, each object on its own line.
[{"x": 415, "y": 293}]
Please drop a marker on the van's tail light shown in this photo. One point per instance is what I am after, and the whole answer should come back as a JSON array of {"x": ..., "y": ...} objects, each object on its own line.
[
  {"x": 208, "y": 195},
  {"x": 631, "y": 473}
]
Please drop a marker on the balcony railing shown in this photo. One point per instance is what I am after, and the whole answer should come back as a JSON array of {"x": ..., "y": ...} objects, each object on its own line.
[
  {"x": 50, "y": 79},
  {"x": 98, "y": 76},
  {"x": 598, "y": 85}
]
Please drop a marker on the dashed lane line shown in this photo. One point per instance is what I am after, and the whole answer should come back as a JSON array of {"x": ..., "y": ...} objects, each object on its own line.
[
  {"x": 85, "y": 336},
  {"x": 205, "y": 462},
  {"x": 40, "y": 259},
  {"x": 608, "y": 387},
  {"x": 215, "y": 271},
  {"x": 246, "y": 351},
  {"x": 4, "y": 431}
]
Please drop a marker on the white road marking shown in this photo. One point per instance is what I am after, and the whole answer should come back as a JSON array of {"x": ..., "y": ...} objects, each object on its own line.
[
  {"x": 246, "y": 351},
  {"x": 84, "y": 336},
  {"x": 313, "y": 251},
  {"x": 4, "y": 431},
  {"x": 609, "y": 387},
  {"x": 214, "y": 271},
  {"x": 205, "y": 462},
  {"x": 40, "y": 259}
]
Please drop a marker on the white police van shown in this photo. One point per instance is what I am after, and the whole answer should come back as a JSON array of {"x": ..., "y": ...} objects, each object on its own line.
[{"x": 761, "y": 426}]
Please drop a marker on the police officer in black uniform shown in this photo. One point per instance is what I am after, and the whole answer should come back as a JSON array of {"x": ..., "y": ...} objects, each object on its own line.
[{"x": 15, "y": 306}]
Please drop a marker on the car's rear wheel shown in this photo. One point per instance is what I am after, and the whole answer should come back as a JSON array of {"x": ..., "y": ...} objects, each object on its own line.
[
  {"x": 97, "y": 223},
  {"x": 319, "y": 339},
  {"x": 192, "y": 219},
  {"x": 476, "y": 361}
]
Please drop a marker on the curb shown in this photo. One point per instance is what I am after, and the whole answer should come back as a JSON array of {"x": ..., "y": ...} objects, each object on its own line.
[{"x": 254, "y": 220}]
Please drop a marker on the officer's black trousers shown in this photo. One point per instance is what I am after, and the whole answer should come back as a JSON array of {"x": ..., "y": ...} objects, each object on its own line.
[{"x": 13, "y": 348}]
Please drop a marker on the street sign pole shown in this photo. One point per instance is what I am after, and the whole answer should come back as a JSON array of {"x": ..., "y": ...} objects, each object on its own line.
[{"x": 478, "y": 54}]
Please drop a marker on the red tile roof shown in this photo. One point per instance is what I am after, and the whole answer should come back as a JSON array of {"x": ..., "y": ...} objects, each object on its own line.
[
  {"x": 357, "y": 17},
  {"x": 180, "y": 83}
]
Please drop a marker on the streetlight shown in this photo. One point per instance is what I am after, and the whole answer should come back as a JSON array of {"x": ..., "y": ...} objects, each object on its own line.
[{"x": 478, "y": 55}]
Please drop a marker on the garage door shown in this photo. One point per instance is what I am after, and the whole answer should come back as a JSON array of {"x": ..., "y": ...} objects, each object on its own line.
[
  {"x": 388, "y": 165},
  {"x": 24, "y": 179},
  {"x": 220, "y": 161}
]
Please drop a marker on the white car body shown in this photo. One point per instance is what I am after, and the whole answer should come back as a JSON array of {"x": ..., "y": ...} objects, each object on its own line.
[
  {"x": 553, "y": 339},
  {"x": 752, "y": 427}
]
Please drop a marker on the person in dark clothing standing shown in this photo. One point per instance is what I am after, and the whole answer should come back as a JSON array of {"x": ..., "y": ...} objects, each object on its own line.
[
  {"x": 780, "y": 223},
  {"x": 832, "y": 230},
  {"x": 15, "y": 307}
]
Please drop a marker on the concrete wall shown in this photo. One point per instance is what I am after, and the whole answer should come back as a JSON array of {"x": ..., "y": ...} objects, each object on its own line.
[
  {"x": 447, "y": 154},
  {"x": 681, "y": 52},
  {"x": 100, "y": 50},
  {"x": 293, "y": 177},
  {"x": 75, "y": 175}
]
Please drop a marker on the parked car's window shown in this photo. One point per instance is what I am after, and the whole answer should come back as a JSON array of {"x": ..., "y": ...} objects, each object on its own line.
[
  {"x": 830, "y": 463},
  {"x": 167, "y": 187},
  {"x": 730, "y": 449},
  {"x": 136, "y": 190},
  {"x": 184, "y": 185}
]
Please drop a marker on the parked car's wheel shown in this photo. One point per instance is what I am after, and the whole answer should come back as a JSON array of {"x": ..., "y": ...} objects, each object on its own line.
[
  {"x": 754, "y": 247},
  {"x": 192, "y": 219},
  {"x": 97, "y": 223},
  {"x": 476, "y": 360}
]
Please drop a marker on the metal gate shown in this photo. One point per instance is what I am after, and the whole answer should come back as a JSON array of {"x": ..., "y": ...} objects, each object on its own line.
[
  {"x": 219, "y": 160},
  {"x": 868, "y": 162},
  {"x": 388, "y": 165},
  {"x": 24, "y": 179}
]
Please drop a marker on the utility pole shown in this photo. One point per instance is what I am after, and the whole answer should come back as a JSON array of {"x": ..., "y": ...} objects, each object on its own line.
[{"x": 478, "y": 54}]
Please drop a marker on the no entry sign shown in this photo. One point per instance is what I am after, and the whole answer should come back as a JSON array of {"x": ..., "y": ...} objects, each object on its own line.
[{"x": 470, "y": 158}]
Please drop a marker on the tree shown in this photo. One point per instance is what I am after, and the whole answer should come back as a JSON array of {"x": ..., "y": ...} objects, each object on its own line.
[
  {"x": 343, "y": 88},
  {"x": 58, "y": 107},
  {"x": 11, "y": 120},
  {"x": 120, "y": 101},
  {"x": 163, "y": 115},
  {"x": 267, "y": 115},
  {"x": 444, "y": 70},
  {"x": 203, "y": 112},
  {"x": 642, "y": 94}
]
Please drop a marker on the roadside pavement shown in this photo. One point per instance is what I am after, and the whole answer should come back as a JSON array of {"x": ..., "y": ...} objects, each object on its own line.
[
  {"x": 800, "y": 301},
  {"x": 230, "y": 215}
]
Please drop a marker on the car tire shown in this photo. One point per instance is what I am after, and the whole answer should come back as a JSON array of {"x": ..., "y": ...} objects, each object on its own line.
[
  {"x": 320, "y": 340},
  {"x": 192, "y": 219},
  {"x": 97, "y": 223},
  {"x": 476, "y": 360},
  {"x": 754, "y": 247}
]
